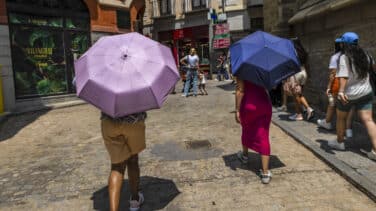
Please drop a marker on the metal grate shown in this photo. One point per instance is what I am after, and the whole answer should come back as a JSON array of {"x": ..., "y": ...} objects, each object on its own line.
[{"x": 197, "y": 144}]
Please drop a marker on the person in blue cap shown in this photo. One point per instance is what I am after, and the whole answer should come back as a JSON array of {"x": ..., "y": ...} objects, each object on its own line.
[
  {"x": 332, "y": 92},
  {"x": 354, "y": 90}
]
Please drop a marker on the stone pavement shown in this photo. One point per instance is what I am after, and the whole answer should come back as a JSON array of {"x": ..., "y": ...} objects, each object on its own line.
[
  {"x": 55, "y": 160},
  {"x": 352, "y": 163}
]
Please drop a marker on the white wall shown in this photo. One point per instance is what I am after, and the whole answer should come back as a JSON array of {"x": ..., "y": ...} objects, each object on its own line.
[{"x": 238, "y": 20}]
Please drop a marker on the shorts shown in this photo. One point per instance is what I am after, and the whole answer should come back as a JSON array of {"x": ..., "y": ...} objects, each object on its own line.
[
  {"x": 122, "y": 140},
  {"x": 301, "y": 77},
  {"x": 363, "y": 103}
]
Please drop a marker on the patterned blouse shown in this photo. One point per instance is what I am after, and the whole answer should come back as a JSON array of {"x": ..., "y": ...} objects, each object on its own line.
[{"x": 130, "y": 119}]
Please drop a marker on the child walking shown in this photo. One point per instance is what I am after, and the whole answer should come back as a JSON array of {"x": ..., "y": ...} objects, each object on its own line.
[{"x": 202, "y": 84}]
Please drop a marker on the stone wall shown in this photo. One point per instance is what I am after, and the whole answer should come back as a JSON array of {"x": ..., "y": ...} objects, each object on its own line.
[
  {"x": 318, "y": 35},
  {"x": 6, "y": 72}
]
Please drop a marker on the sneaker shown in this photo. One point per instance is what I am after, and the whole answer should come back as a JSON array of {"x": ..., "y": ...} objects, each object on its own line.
[
  {"x": 265, "y": 178},
  {"x": 242, "y": 157},
  {"x": 282, "y": 108},
  {"x": 322, "y": 123},
  {"x": 135, "y": 205},
  {"x": 349, "y": 133},
  {"x": 310, "y": 113},
  {"x": 336, "y": 145},
  {"x": 184, "y": 95},
  {"x": 296, "y": 117},
  {"x": 371, "y": 155}
]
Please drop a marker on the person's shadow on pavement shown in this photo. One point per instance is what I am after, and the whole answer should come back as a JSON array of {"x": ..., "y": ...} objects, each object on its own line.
[
  {"x": 158, "y": 194},
  {"x": 254, "y": 163}
]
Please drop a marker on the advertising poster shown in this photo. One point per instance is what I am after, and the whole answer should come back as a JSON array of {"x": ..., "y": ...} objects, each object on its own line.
[{"x": 38, "y": 54}]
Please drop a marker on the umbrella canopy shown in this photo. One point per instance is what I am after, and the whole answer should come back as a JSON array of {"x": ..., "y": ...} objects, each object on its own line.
[
  {"x": 264, "y": 59},
  {"x": 126, "y": 74}
]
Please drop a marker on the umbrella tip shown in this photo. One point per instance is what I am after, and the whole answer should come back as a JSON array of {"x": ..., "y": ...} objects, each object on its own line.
[{"x": 125, "y": 56}]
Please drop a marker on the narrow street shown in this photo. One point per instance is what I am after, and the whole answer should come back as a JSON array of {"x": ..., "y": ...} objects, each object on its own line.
[{"x": 56, "y": 160}]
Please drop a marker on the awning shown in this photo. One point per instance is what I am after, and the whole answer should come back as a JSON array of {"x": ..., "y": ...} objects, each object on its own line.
[
  {"x": 123, "y": 4},
  {"x": 314, "y": 8}
]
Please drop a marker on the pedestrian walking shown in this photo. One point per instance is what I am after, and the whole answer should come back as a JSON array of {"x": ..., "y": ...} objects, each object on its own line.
[
  {"x": 124, "y": 138},
  {"x": 354, "y": 90},
  {"x": 202, "y": 84},
  {"x": 124, "y": 96},
  {"x": 332, "y": 92},
  {"x": 295, "y": 84},
  {"x": 221, "y": 69},
  {"x": 192, "y": 62},
  {"x": 254, "y": 112}
]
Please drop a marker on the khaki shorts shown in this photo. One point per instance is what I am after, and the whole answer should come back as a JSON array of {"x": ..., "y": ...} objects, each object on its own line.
[{"x": 123, "y": 140}]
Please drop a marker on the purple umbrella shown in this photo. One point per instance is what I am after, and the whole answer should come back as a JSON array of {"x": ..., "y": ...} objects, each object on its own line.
[{"x": 126, "y": 74}]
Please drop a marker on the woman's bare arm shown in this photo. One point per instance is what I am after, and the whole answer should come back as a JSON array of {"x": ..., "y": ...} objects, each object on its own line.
[{"x": 238, "y": 98}]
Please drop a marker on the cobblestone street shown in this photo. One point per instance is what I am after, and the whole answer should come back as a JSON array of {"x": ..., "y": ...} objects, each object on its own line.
[{"x": 56, "y": 160}]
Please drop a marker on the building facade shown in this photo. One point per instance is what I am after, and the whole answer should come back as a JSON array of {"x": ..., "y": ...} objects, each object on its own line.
[
  {"x": 40, "y": 39},
  {"x": 318, "y": 23},
  {"x": 182, "y": 24}
]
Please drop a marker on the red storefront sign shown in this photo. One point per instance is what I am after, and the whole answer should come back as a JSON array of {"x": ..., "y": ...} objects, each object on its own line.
[
  {"x": 178, "y": 34},
  {"x": 221, "y": 36},
  {"x": 221, "y": 29},
  {"x": 221, "y": 43}
]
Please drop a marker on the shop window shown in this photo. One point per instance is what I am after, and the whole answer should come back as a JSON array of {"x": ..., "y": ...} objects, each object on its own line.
[
  {"x": 165, "y": 7},
  {"x": 46, "y": 36},
  {"x": 38, "y": 61},
  {"x": 257, "y": 24},
  {"x": 123, "y": 19},
  {"x": 198, "y": 4}
]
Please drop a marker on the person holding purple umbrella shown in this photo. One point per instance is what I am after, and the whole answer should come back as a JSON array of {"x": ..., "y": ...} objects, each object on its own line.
[
  {"x": 114, "y": 75},
  {"x": 124, "y": 138}
]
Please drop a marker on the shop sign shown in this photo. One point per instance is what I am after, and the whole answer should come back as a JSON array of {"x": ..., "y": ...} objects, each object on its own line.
[
  {"x": 221, "y": 43},
  {"x": 221, "y": 36},
  {"x": 178, "y": 34}
]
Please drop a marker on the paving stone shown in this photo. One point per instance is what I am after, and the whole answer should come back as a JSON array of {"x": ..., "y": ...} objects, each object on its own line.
[{"x": 62, "y": 163}]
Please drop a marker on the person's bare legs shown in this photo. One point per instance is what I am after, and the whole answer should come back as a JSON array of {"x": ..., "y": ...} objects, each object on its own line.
[
  {"x": 349, "y": 118},
  {"x": 329, "y": 113},
  {"x": 265, "y": 163},
  {"x": 367, "y": 120},
  {"x": 115, "y": 182},
  {"x": 133, "y": 176},
  {"x": 304, "y": 102},
  {"x": 245, "y": 150},
  {"x": 284, "y": 99},
  {"x": 298, "y": 108},
  {"x": 341, "y": 125},
  {"x": 204, "y": 88}
]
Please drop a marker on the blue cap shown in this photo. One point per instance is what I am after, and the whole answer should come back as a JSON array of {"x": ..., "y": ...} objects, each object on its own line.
[
  {"x": 338, "y": 40},
  {"x": 349, "y": 38}
]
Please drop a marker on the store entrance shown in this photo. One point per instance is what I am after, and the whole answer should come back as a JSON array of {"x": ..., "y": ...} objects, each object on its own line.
[{"x": 46, "y": 37}]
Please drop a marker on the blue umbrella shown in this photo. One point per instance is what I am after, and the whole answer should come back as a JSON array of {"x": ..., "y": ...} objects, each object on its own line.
[{"x": 264, "y": 59}]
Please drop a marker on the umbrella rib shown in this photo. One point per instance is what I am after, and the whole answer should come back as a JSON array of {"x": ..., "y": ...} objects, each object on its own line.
[{"x": 136, "y": 68}]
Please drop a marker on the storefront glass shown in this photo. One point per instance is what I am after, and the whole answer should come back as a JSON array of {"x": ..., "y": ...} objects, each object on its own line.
[{"x": 44, "y": 46}]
